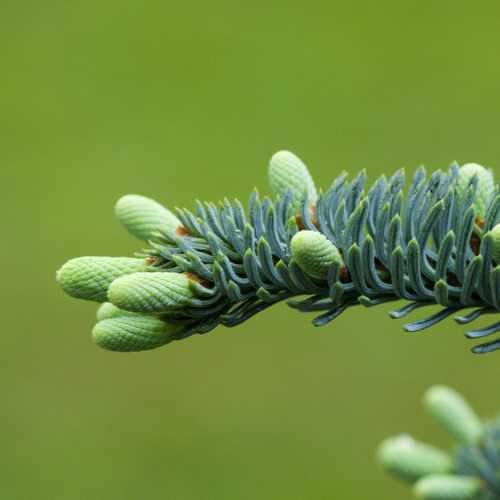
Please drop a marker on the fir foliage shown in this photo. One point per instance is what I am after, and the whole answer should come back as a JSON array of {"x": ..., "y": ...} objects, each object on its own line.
[
  {"x": 436, "y": 241},
  {"x": 470, "y": 472}
]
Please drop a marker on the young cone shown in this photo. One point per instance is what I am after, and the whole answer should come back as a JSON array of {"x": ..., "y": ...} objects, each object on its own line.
[
  {"x": 454, "y": 414},
  {"x": 447, "y": 487},
  {"x": 134, "y": 333},
  {"x": 485, "y": 185},
  {"x": 287, "y": 172},
  {"x": 89, "y": 277},
  {"x": 142, "y": 216},
  {"x": 411, "y": 460},
  {"x": 108, "y": 311},
  {"x": 152, "y": 293},
  {"x": 314, "y": 253}
]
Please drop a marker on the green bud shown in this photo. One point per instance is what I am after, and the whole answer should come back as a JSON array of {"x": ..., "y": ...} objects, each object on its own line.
[
  {"x": 411, "y": 460},
  {"x": 143, "y": 216},
  {"x": 454, "y": 414},
  {"x": 152, "y": 292},
  {"x": 314, "y": 253},
  {"x": 89, "y": 277},
  {"x": 495, "y": 233},
  {"x": 447, "y": 487},
  {"x": 134, "y": 333},
  {"x": 485, "y": 185},
  {"x": 287, "y": 172},
  {"x": 108, "y": 311}
]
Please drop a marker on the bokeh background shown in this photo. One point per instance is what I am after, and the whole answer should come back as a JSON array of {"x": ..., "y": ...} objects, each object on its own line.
[{"x": 183, "y": 100}]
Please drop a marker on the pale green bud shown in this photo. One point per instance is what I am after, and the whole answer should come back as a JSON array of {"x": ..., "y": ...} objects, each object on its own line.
[
  {"x": 108, "y": 311},
  {"x": 485, "y": 185},
  {"x": 495, "y": 233},
  {"x": 314, "y": 253},
  {"x": 134, "y": 333},
  {"x": 89, "y": 277},
  {"x": 454, "y": 414},
  {"x": 411, "y": 460},
  {"x": 152, "y": 292},
  {"x": 143, "y": 216},
  {"x": 287, "y": 172},
  {"x": 447, "y": 487}
]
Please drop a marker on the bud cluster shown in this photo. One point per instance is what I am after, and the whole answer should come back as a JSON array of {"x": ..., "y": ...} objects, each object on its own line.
[
  {"x": 437, "y": 243},
  {"x": 470, "y": 472}
]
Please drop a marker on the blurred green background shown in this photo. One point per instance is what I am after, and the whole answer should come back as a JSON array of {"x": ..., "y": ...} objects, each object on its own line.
[{"x": 181, "y": 100}]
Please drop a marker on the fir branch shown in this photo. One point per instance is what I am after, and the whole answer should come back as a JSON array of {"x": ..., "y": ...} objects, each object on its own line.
[
  {"x": 438, "y": 242},
  {"x": 471, "y": 472}
]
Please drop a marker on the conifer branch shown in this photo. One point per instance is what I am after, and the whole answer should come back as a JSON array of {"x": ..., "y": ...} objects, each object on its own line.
[
  {"x": 435, "y": 242},
  {"x": 470, "y": 472}
]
